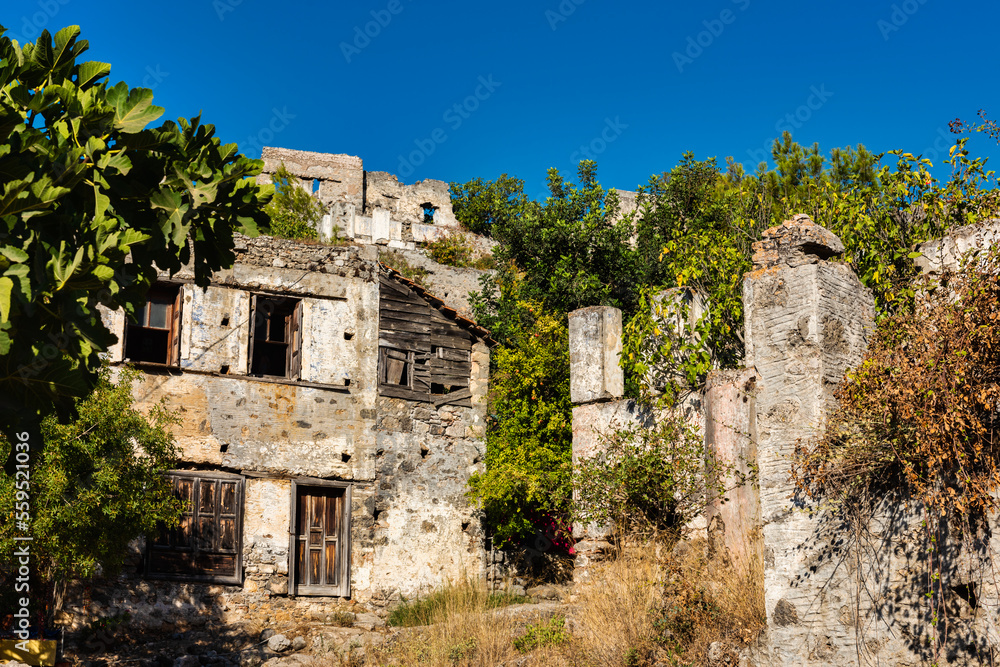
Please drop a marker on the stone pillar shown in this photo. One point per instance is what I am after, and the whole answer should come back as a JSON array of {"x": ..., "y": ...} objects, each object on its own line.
[
  {"x": 734, "y": 531},
  {"x": 595, "y": 380},
  {"x": 595, "y": 343},
  {"x": 807, "y": 322}
]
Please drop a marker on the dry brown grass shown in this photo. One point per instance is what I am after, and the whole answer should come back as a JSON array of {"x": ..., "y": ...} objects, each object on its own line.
[
  {"x": 466, "y": 629},
  {"x": 648, "y": 604}
]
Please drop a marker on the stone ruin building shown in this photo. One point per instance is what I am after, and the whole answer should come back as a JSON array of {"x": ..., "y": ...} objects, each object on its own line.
[
  {"x": 807, "y": 322},
  {"x": 332, "y": 412}
]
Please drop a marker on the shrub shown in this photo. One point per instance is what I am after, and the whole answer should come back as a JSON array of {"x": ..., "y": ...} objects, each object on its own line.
[
  {"x": 919, "y": 415},
  {"x": 457, "y": 250},
  {"x": 294, "y": 212},
  {"x": 398, "y": 261},
  {"x": 546, "y": 633},
  {"x": 650, "y": 479}
]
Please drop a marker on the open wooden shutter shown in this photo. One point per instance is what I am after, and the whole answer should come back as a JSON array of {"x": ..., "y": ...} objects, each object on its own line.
[
  {"x": 175, "y": 330},
  {"x": 253, "y": 328},
  {"x": 295, "y": 343}
]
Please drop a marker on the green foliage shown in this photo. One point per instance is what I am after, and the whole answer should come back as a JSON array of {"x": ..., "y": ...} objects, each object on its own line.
[
  {"x": 529, "y": 443},
  {"x": 457, "y": 250},
  {"x": 397, "y": 260},
  {"x": 650, "y": 479},
  {"x": 91, "y": 198},
  {"x": 294, "y": 213},
  {"x": 542, "y": 634},
  {"x": 569, "y": 252},
  {"x": 433, "y": 608},
  {"x": 481, "y": 206},
  {"x": 97, "y": 485}
]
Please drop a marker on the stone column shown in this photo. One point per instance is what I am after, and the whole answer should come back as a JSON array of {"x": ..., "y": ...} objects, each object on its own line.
[
  {"x": 807, "y": 322},
  {"x": 734, "y": 531},
  {"x": 596, "y": 380}
]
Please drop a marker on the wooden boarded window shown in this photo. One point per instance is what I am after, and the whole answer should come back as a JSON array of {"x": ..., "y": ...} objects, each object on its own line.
[
  {"x": 206, "y": 546},
  {"x": 423, "y": 354},
  {"x": 320, "y": 540},
  {"x": 276, "y": 337},
  {"x": 155, "y": 337}
]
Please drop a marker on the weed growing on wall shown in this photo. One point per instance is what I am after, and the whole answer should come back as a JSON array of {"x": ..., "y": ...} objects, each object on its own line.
[{"x": 457, "y": 250}]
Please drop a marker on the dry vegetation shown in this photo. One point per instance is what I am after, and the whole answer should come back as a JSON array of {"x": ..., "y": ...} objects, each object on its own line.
[{"x": 647, "y": 606}]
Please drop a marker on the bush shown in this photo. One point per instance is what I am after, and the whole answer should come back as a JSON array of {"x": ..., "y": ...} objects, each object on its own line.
[
  {"x": 294, "y": 212},
  {"x": 650, "y": 479},
  {"x": 920, "y": 414},
  {"x": 457, "y": 250},
  {"x": 397, "y": 260}
]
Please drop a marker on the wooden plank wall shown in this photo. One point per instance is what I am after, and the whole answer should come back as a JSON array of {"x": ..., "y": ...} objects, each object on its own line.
[{"x": 438, "y": 350}]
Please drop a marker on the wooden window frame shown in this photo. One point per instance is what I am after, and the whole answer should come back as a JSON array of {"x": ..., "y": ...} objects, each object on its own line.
[
  {"x": 292, "y": 335},
  {"x": 173, "y": 330},
  {"x": 197, "y": 477},
  {"x": 343, "y": 589}
]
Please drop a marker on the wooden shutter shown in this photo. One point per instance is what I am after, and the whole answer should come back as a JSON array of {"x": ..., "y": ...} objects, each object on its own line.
[
  {"x": 253, "y": 328},
  {"x": 295, "y": 343},
  {"x": 174, "y": 358}
]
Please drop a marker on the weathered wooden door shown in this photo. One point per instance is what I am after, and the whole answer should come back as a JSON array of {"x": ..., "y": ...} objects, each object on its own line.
[{"x": 320, "y": 561}]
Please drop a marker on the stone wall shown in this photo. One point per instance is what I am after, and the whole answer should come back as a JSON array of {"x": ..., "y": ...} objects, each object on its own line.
[{"x": 412, "y": 528}]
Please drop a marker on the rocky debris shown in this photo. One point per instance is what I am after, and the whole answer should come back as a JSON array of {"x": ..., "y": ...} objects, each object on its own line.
[
  {"x": 368, "y": 621},
  {"x": 298, "y": 643},
  {"x": 796, "y": 242},
  {"x": 279, "y": 643},
  {"x": 557, "y": 592}
]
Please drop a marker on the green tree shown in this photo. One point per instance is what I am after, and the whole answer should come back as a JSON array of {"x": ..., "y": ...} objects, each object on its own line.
[
  {"x": 481, "y": 205},
  {"x": 97, "y": 485},
  {"x": 293, "y": 212},
  {"x": 92, "y": 198},
  {"x": 529, "y": 445}
]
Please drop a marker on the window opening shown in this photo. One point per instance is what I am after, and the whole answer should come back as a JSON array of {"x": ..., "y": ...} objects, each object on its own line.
[
  {"x": 428, "y": 211},
  {"x": 275, "y": 337},
  {"x": 155, "y": 336}
]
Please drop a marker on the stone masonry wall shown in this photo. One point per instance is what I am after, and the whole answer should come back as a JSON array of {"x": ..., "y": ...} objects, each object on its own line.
[{"x": 412, "y": 526}]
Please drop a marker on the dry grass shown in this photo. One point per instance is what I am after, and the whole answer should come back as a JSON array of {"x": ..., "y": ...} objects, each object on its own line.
[
  {"x": 466, "y": 628},
  {"x": 646, "y": 605}
]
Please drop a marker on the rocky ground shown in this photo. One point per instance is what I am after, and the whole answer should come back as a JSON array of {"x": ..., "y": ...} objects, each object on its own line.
[{"x": 340, "y": 638}]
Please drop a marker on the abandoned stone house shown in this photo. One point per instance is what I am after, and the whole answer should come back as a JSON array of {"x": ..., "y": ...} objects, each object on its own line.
[{"x": 332, "y": 413}]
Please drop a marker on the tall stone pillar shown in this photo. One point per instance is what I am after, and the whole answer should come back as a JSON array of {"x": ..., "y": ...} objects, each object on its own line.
[
  {"x": 734, "y": 535},
  {"x": 807, "y": 322},
  {"x": 596, "y": 381}
]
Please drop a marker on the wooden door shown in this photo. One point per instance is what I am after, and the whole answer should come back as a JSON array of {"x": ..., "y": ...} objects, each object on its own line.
[{"x": 321, "y": 541}]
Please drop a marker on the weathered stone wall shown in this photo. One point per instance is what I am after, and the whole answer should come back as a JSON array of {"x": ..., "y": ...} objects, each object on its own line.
[
  {"x": 945, "y": 253},
  {"x": 408, "y": 463}
]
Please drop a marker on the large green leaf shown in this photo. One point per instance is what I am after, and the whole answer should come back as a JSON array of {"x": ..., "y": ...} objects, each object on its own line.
[{"x": 134, "y": 109}]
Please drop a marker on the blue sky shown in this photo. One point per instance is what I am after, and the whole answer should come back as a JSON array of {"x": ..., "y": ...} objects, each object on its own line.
[{"x": 453, "y": 90}]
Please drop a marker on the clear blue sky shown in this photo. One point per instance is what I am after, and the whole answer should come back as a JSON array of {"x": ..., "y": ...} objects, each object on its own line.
[{"x": 635, "y": 84}]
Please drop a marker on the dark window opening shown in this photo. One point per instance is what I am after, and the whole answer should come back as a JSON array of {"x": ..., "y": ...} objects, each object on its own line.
[
  {"x": 440, "y": 389},
  {"x": 275, "y": 337},
  {"x": 155, "y": 336},
  {"x": 429, "y": 210},
  {"x": 206, "y": 544},
  {"x": 345, "y": 457}
]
